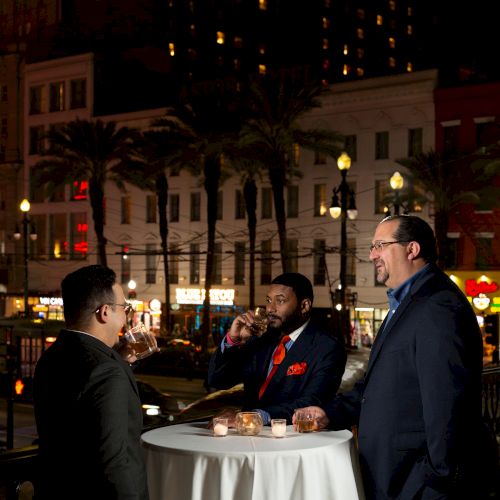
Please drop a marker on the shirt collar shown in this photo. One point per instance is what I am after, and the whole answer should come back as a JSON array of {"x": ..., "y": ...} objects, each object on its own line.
[
  {"x": 397, "y": 295},
  {"x": 295, "y": 334}
]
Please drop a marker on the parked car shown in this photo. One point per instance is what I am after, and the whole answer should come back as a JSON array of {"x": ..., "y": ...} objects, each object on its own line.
[{"x": 158, "y": 408}]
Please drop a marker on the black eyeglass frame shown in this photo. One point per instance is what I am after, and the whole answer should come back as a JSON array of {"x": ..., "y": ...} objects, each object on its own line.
[
  {"x": 380, "y": 245},
  {"x": 127, "y": 306}
]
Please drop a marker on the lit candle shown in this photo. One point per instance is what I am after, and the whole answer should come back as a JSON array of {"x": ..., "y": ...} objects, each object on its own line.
[
  {"x": 220, "y": 430},
  {"x": 279, "y": 429}
]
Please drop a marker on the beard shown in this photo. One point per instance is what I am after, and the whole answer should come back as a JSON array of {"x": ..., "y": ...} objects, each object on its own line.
[{"x": 382, "y": 274}]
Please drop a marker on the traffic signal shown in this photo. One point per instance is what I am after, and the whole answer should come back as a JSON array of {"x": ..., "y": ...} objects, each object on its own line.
[
  {"x": 19, "y": 387},
  {"x": 491, "y": 329}
]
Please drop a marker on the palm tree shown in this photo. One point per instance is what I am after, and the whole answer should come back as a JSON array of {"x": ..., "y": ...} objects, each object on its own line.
[
  {"x": 87, "y": 150},
  {"x": 148, "y": 171},
  {"x": 273, "y": 130},
  {"x": 204, "y": 137},
  {"x": 450, "y": 182}
]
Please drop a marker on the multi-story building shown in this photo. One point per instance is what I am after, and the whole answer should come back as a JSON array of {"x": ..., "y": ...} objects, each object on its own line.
[{"x": 383, "y": 119}]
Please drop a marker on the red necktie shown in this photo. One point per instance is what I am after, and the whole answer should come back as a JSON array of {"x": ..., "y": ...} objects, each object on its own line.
[{"x": 278, "y": 357}]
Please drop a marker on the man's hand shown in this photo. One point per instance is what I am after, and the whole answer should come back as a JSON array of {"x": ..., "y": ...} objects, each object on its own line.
[
  {"x": 243, "y": 328},
  {"x": 321, "y": 421}
]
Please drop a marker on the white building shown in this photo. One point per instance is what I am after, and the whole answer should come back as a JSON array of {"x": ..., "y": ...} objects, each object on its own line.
[{"x": 384, "y": 119}]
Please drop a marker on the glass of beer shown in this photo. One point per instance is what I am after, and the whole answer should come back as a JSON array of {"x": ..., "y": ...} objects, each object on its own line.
[
  {"x": 140, "y": 341},
  {"x": 260, "y": 320},
  {"x": 304, "y": 422}
]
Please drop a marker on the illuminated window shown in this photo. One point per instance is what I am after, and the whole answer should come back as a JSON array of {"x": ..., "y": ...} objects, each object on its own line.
[
  {"x": 171, "y": 49},
  {"x": 360, "y": 53},
  {"x": 79, "y": 246},
  {"x": 262, "y": 69},
  {"x": 58, "y": 236},
  {"x": 262, "y": 49},
  {"x": 380, "y": 20},
  {"x": 360, "y": 13},
  {"x": 346, "y": 70},
  {"x": 263, "y": 4},
  {"x": 326, "y": 23},
  {"x": 360, "y": 71},
  {"x": 326, "y": 43},
  {"x": 220, "y": 37},
  {"x": 409, "y": 67},
  {"x": 79, "y": 190},
  {"x": 319, "y": 200},
  {"x": 392, "y": 62},
  {"x": 392, "y": 42},
  {"x": 392, "y": 4},
  {"x": 296, "y": 153},
  {"x": 238, "y": 42},
  {"x": 409, "y": 29},
  {"x": 360, "y": 33},
  {"x": 346, "y": 49},
  {"x": 56, "y": 96}
]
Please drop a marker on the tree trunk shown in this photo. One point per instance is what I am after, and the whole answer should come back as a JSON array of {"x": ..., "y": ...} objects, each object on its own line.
[
  {"x": 250, "y": 195},
  {"x": 277, "y": 178},
  {"x": 211, "y": 182},
  {"x": 162, "y": 193},
  {"x": 96, "y": 194}
]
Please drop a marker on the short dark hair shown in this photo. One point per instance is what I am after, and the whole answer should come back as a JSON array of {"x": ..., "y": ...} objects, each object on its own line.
[
  {"x": 412, "y": 228},
  {"x": 85, "y": 290},
  {"x": 301, "y": 285}
]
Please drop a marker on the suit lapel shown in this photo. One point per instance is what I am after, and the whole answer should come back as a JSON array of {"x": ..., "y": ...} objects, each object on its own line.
[{"x": 387, "y": 327}]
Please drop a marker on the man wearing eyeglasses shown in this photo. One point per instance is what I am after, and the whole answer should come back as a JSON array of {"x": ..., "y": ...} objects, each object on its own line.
[
  {"x": 87, "y": 406},
  {"x": 418, "y": 407}
]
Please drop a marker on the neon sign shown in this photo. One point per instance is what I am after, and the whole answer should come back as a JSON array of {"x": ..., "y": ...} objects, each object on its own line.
[
  {"x": 218, "y": 296},
  {"x": 474, "y": 288}
]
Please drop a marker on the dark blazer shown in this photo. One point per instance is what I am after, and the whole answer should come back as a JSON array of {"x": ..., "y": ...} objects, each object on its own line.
[
  {"x": 89, "y": 421},
  {"x": 419, "y": 405},
  {"x": 293, "y": 385}
]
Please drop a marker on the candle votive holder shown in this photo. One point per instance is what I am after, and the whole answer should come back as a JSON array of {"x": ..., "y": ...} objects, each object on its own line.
[
  {"x": 278, "y": 427},
  {"x": 220, "y": 426},
  {"x": 248, "y": 423}
]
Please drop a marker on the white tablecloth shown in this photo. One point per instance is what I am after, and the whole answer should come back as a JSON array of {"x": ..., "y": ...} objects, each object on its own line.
[{"x": 185, "y": 462}]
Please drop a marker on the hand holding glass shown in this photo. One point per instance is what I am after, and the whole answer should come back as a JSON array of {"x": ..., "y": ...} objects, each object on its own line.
[
  {"x": 140, "y": 341},
  {"x": 305, "y": 422}
]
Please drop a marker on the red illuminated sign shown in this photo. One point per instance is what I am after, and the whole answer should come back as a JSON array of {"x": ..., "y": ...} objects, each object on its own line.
[{"x": 473, "y": 288}]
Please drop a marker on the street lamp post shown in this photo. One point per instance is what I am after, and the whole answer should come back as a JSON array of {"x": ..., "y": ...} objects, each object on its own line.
[
  {"x": 25, "y": 208},
  {"x": 397, "y": 182},
  {"x": 346, "y": 209}
]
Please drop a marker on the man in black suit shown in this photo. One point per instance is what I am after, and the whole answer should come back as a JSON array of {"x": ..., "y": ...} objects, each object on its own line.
[
  {"x": 311, "y": 370},
  {"x": 418, "y": 407},
  {"x": 87, "y": 406}
]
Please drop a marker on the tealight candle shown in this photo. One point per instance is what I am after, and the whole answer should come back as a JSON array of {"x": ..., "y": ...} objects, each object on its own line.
[
  {"x": 278, "y": 427},
  {"x": 220, "y": 427}
]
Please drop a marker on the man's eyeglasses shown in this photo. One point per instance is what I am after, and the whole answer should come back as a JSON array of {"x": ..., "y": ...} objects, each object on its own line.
[
  {"x": 380, "y": 245},
  {"x": 127, "y": 306}
]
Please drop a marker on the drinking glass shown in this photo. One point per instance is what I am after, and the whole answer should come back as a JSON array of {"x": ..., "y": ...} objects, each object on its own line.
[
  {"x": 305, "y": 422},
  {"x": 141, "y": 341},
  {"x": 260, "y": 320}
]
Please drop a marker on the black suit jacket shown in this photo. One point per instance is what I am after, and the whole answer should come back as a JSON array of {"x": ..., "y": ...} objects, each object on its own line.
[
  {"x": 316, "y": 381},
  {"x": 89, "y": 421},
  {"x": 419, "y": 404}
]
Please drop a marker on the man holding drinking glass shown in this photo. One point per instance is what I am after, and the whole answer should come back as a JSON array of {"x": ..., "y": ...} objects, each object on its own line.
[{"x": 292, "y": 364}]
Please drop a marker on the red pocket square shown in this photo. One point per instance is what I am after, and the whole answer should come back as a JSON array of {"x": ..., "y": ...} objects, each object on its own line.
[{"x": 297, "y": 369}]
